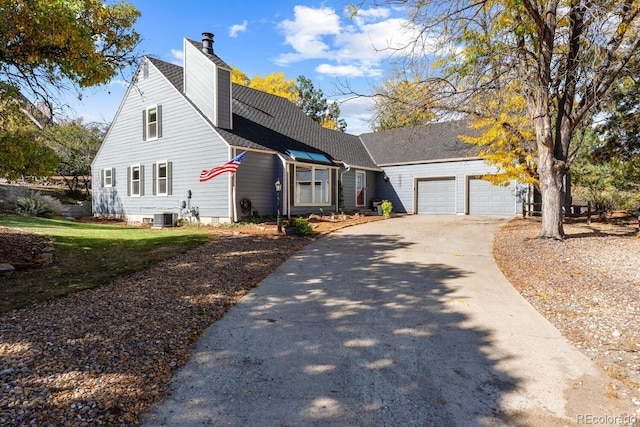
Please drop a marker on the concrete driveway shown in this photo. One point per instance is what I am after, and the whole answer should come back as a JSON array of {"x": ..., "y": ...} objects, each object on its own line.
[{"x": 403, "y": 322}]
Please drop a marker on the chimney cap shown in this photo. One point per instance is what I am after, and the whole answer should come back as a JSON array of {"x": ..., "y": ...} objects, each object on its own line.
[{"x": 207, "y": 43}]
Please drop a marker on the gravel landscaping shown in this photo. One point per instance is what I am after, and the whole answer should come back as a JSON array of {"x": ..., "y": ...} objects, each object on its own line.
[
  {"x": 588, "y": 287},
  {"x": 100, "y": 356}
]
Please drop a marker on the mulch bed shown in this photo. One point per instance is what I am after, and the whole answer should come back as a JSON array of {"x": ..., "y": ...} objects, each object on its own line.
[
  {"x": 20, "y": 249},
  {"x": 100, "y": 356}
]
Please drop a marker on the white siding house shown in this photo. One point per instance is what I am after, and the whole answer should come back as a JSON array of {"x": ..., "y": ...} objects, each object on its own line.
[{"x": 174, "y": 122}]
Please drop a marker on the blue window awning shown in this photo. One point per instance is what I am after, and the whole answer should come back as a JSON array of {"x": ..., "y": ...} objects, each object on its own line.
[{"x": 306, "y": 156}]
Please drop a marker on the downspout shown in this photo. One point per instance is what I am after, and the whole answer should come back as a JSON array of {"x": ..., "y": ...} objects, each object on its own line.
[{"x": 348, "y": 168}]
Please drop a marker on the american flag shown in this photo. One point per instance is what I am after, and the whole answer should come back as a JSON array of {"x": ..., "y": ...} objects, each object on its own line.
[{"x": 230, "y": 167}]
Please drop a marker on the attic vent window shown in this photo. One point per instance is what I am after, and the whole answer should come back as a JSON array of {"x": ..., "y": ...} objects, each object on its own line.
[{"x": 305, "y": 156}]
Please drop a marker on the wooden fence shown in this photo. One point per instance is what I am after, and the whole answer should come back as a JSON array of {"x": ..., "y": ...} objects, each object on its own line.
[{"x": 571, "y": 211}]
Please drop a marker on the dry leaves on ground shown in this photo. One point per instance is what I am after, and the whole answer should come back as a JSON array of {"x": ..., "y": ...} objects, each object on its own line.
[
  {"x": 21, "y": 249},
  {"x": 588, "y": 286},
  {"x": 100, "y": 356}
]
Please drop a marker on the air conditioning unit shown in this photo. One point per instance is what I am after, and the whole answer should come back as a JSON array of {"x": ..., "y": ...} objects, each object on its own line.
[{"x": 164, "y": 219}]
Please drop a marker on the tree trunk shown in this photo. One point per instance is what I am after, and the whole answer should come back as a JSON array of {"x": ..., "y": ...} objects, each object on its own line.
[{"x": 551, "y": 188}]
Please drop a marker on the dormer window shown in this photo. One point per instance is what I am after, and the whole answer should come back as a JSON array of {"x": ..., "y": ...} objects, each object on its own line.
[{"x": 152, "y": 123}]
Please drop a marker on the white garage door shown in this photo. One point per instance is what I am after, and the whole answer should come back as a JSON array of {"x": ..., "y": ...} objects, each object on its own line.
[
  {"x": 488, "y": 199},
  {"x": 437, "y": 196}
]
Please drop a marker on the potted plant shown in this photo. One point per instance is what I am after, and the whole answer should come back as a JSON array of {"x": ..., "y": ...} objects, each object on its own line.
[{"x": 386, "y": 207}]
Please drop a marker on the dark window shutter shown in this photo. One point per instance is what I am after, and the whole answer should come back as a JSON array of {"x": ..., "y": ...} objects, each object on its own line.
[
  {"x": 113, "y": 177},
  {"x": 141, "y": 180},
  {"x": 159, "y": 120},
  {"x": 169, "y": 177},
  {"x": 129, "y": 181},
  {"x": 101, "y": 177},
  {"x": 154, "y": 183},
  {"x": 144, "y": 125}
]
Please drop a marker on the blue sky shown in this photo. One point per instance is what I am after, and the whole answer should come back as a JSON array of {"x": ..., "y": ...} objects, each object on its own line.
[{"x": 314, "y": 38}]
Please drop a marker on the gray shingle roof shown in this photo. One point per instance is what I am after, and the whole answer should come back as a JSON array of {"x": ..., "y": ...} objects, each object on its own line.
[
  {"x": 262, "y": 120},
  {"x": 172, "y": 72},
  {"x": 431, "y": 142},
  {"x": 265, "y": 121}
]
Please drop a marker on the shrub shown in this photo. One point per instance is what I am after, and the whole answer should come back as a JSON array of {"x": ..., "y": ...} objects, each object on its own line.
[
  {"x": 386, "y": 207},
  {"x": 33, "y": 203},
  {"x": 608, "y": 198},
  {"x": 302, "y": 227}
]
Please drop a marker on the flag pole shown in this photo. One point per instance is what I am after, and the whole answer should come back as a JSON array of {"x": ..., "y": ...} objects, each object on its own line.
[{"x": 233, "y": 192}]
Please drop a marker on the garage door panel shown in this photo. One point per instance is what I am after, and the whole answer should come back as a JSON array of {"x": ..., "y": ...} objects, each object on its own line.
[
  {"x": 436, "y": 196},
  {"x": 488, "y": 199}
]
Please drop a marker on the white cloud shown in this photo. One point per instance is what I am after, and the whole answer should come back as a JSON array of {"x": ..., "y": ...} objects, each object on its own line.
[
  {"x": 348, "y": 47},
  {"x": 376, "y": 41},
  {"x": 177, "y": 56},
  {"x": 348, "y": 70},
  {"x": 375, "y": 13},
  {"x": 357, "y": 113},
  {"x": 306, "y": 32},
  {"x": 238, "y": 28}
]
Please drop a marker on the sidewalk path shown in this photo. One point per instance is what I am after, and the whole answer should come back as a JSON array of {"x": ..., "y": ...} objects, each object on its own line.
[{"x": 404, "y": 322}]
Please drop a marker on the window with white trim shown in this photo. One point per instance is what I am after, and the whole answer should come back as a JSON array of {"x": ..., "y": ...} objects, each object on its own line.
[
  {"x": 136, "y": 183},
  {"x": 152, "y": 123},
  {"x": 162, "y": 178},
  {"x": 108, "y": 177},
  {"x": 312, "y": 185},
  {"x": 361, "y": 185}
]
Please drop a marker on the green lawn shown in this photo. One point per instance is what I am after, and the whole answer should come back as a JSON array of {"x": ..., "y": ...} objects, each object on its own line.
[{"x": 89, "y": 255}]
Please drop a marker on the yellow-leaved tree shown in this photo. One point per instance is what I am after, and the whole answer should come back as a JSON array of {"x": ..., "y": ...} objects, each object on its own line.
[
  {"x": 277, "y": 84},
  {"x": 301, "y": 92},
  {"x": 238, "y": 77},
  {"x": 48, "y": 48},
  {"x": 401, "y": 101},
  {"x": 23, "y": 151},
  {"x": 506, "y": 138}
]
